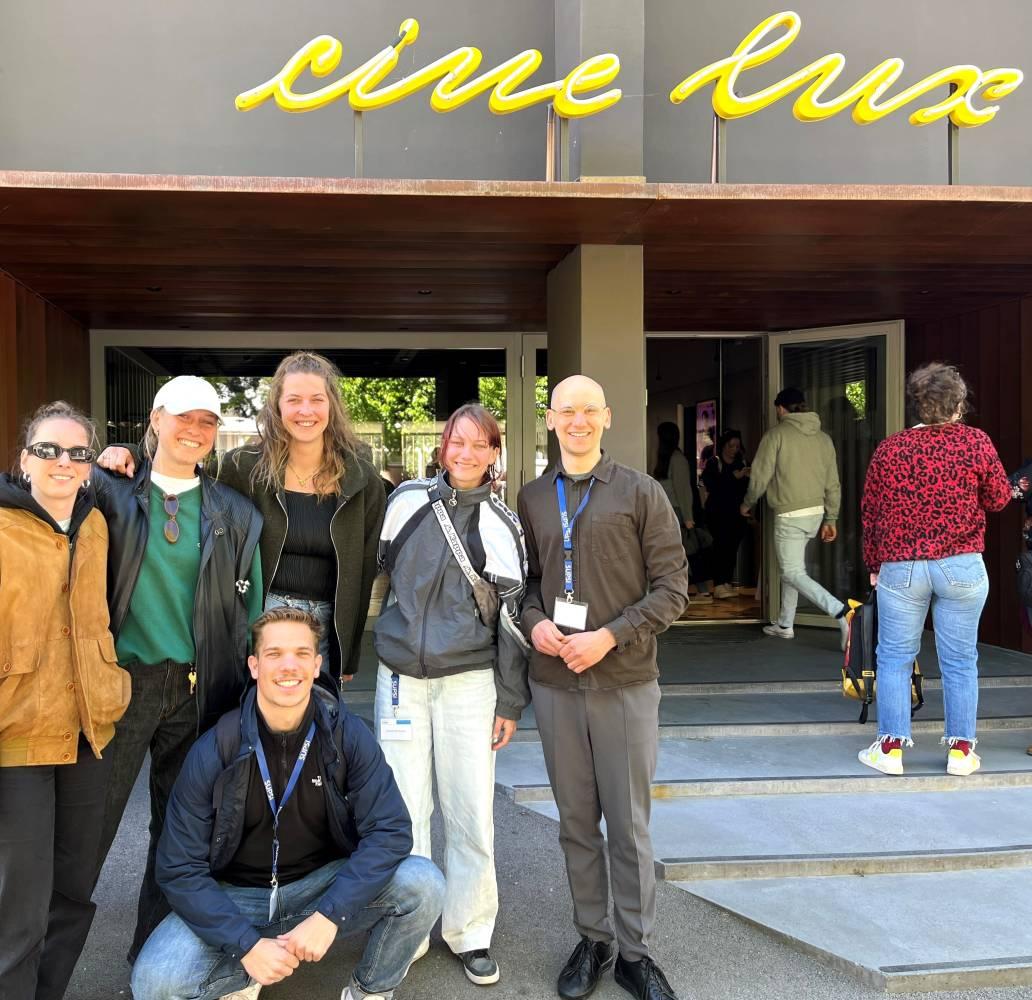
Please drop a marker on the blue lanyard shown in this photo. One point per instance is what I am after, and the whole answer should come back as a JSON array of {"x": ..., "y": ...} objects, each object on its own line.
[
  {"x": 568, "y": 523},
  {"x": 263, "y": 767},
  {"x": 395, "y": 693}
]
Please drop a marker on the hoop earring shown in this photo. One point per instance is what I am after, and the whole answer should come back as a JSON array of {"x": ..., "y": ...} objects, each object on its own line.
[
  {"x": 26, "y": 477},
  {"x": 85, "y": 486}
]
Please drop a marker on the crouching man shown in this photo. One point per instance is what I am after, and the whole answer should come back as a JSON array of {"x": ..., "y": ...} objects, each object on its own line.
[{"x": 285, "y": 829}]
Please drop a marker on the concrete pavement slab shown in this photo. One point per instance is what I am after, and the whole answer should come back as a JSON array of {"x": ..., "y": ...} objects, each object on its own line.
[{"x": 913, "y": 931}]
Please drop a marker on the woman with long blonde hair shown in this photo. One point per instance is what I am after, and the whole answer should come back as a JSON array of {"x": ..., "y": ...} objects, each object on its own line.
[{"x": 321, "y": 502}]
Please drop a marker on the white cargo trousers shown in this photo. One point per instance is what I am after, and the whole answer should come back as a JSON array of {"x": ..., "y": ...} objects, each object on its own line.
[{"x": 452, "y": 722}]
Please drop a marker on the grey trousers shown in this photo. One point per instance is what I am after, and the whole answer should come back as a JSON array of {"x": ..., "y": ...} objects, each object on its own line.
[{"x": 600, "y": 750}]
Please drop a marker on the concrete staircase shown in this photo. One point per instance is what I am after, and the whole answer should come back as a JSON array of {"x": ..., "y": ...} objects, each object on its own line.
[{"x": 911, "y": 884}]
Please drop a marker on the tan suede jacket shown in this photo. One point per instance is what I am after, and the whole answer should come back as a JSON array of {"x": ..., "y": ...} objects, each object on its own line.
[{"x": 58, "y": 672}]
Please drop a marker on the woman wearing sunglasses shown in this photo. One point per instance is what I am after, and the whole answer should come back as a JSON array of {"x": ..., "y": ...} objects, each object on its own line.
[
  {"x": 452, "y": 681},
  {"x": 322, "y": 504},
  {"x": 61, "y": 692},
  {"x": 185, "y": 584}
]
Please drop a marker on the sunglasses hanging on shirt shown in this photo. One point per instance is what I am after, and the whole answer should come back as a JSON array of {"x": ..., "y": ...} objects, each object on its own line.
[{"x": 171, "y": 526}]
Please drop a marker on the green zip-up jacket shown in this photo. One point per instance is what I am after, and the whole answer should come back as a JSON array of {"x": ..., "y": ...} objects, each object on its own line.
[{"x": 795, "y": 466}]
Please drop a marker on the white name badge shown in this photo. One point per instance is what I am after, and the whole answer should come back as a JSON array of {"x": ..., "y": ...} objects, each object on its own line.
[
  {"x": 395, "y": 729},
  {"x": 570, "y": 614}
]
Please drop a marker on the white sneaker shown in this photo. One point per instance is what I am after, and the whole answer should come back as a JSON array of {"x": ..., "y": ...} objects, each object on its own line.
[
  {"x": 352, "y": 992},
  {"x": 887, "y": 763},
  {"x": 722, "y": 592},
  {"x": 781, "y": 631},
  {"x": 251, "y": 993},
  {"x": 961, "y": 763}
]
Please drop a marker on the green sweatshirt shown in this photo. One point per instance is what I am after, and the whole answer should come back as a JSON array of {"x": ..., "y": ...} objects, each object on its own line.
[
  {"x": 159, "y": 625},
  {"x": 795, "y": 466}
]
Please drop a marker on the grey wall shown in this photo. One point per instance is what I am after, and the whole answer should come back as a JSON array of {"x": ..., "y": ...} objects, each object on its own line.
[
  {"x": 148, "y": 86},
  {"x": 771, "y": 146}
]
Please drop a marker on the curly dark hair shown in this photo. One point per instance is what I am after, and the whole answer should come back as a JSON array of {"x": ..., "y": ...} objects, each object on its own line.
[{"x": 936, "y": 393}]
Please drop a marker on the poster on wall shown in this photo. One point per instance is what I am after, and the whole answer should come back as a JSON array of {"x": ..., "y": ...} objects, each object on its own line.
[{"x": 705, "y": 430}]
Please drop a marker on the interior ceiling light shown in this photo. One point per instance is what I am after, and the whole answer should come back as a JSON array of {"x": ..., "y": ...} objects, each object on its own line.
[
  {"x": 673, "y": 291},
  {"x": 424, "y": 291}
]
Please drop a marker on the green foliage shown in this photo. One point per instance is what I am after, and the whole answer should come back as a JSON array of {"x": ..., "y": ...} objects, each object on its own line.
[
  {"x": 390, "y": 401},
  {"x": 856, "y": 393}
]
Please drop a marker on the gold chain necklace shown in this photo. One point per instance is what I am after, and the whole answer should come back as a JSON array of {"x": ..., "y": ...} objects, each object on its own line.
[{"x": 307, "y": 479}]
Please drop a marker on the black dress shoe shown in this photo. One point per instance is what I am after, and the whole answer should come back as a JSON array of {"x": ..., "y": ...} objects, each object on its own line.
[
  {"x": 643, "y": 979},
  {"x": 584, "y": 968}
]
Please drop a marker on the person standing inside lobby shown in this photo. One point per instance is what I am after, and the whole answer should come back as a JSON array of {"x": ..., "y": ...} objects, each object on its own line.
[
  {"x": 796, "y": 467},
  {"x": 606, "y": 573}
]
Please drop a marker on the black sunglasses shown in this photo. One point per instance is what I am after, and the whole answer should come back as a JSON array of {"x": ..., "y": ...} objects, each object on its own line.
[{"x": 48, "y": 451}]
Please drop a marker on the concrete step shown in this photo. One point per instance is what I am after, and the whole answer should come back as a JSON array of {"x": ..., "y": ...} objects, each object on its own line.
[
  {"x": 809, "y": 714},
  {"x": 787, "y": 765},
  {"x": 902, "y": 933},
  {"x": 738, "y": 837}
]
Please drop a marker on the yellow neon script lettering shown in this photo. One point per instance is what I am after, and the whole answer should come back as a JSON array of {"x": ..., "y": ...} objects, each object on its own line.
[
  {"x": 866, "y": 95},
  {"x": 322, "y": 56}
]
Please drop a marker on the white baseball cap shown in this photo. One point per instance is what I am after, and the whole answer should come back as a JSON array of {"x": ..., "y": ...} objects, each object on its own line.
[{"x": 188, "y": 392}]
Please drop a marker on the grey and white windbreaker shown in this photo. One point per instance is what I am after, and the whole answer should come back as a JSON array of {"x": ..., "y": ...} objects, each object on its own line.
[{"x": 429, "y": 625}]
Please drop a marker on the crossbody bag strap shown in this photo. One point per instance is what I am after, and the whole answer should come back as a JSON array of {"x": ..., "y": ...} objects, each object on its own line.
[{"x": 454, "y": 542}]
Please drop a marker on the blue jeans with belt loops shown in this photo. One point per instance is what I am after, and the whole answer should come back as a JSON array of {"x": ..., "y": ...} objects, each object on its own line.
[
  {"x": 175, "y": 964},
  {"x": 955, "y": 588}
]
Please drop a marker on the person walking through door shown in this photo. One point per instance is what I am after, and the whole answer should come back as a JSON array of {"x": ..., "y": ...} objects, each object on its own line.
[{"x": 796, "y": 467}]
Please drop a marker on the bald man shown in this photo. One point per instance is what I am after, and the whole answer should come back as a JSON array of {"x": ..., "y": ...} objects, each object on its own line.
[{"x": 606, "y": 574}]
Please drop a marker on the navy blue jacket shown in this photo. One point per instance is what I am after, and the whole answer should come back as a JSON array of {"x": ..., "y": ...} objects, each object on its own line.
[{"x": 368, "y": 821}]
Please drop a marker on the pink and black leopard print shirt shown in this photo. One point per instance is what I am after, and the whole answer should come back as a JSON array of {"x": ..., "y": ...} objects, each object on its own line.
[{"x": 927, "y": 491}]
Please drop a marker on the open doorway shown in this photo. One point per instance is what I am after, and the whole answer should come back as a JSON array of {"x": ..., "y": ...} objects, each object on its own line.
[{"x": 711, "y": 387}]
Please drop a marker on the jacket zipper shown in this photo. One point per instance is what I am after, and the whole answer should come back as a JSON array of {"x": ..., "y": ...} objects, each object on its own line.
[
  {"x": 279, "y": 555},
  {"x": 446, "y": 555},
  {"x": 336, "y": 555}
]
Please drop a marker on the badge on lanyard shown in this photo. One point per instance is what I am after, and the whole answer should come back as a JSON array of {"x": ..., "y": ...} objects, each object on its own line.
[
  {"x": 569, "y": 613},
  {"x": 277, "y": 808},
  {"x": 396, "y": 727}
]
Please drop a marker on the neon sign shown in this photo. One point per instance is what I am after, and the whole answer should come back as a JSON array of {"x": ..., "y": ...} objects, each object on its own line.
[
  {"x": 575, "y": 96},
  {"x": 866, "y": 95},
  {"x": 453, "y": 71}
]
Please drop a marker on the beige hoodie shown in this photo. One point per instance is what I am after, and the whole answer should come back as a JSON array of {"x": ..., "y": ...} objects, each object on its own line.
[{"x": 795, "y": 466}]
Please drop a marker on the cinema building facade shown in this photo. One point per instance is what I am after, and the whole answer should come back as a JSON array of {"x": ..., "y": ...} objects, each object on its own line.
[{"x": 694, "y": 203}]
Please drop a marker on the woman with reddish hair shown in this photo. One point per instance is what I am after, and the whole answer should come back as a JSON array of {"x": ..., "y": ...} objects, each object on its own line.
[{"x": 452, "y": 679}]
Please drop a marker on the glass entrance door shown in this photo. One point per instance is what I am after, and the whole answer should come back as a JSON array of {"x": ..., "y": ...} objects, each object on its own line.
[{"x": 852, "y": 378}]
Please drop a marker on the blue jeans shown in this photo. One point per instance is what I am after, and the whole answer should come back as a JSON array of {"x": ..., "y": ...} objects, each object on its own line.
[
  {"x": 791, "y": 536},
  {"x": 175, "y": 964},
  {"x": 956, "y": 589},
  {"x": 322, "y": 610}
]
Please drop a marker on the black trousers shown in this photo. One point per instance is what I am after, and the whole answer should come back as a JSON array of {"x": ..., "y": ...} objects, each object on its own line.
[
  {"x": 728, "y": 531},
  {"x": 51, "y": 818},
  {"x": 161, "y": 718}
]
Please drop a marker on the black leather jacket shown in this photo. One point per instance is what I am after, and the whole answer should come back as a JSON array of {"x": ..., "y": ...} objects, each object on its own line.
[{"x": 230, "y": 527}]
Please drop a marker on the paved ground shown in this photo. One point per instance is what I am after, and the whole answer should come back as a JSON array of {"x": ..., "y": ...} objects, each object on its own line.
[{"x": 708, "y": 954}]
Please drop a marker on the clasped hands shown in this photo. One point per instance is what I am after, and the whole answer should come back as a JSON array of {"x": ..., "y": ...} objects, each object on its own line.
[
  {"x": 273, "y": 959},
  {"x": 579, "y": 651}
]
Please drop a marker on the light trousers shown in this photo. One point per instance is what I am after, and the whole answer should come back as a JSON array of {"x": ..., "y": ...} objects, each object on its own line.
[
  {"x": 791, "y": 536},
  {"x": 452, "y": 722}
]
